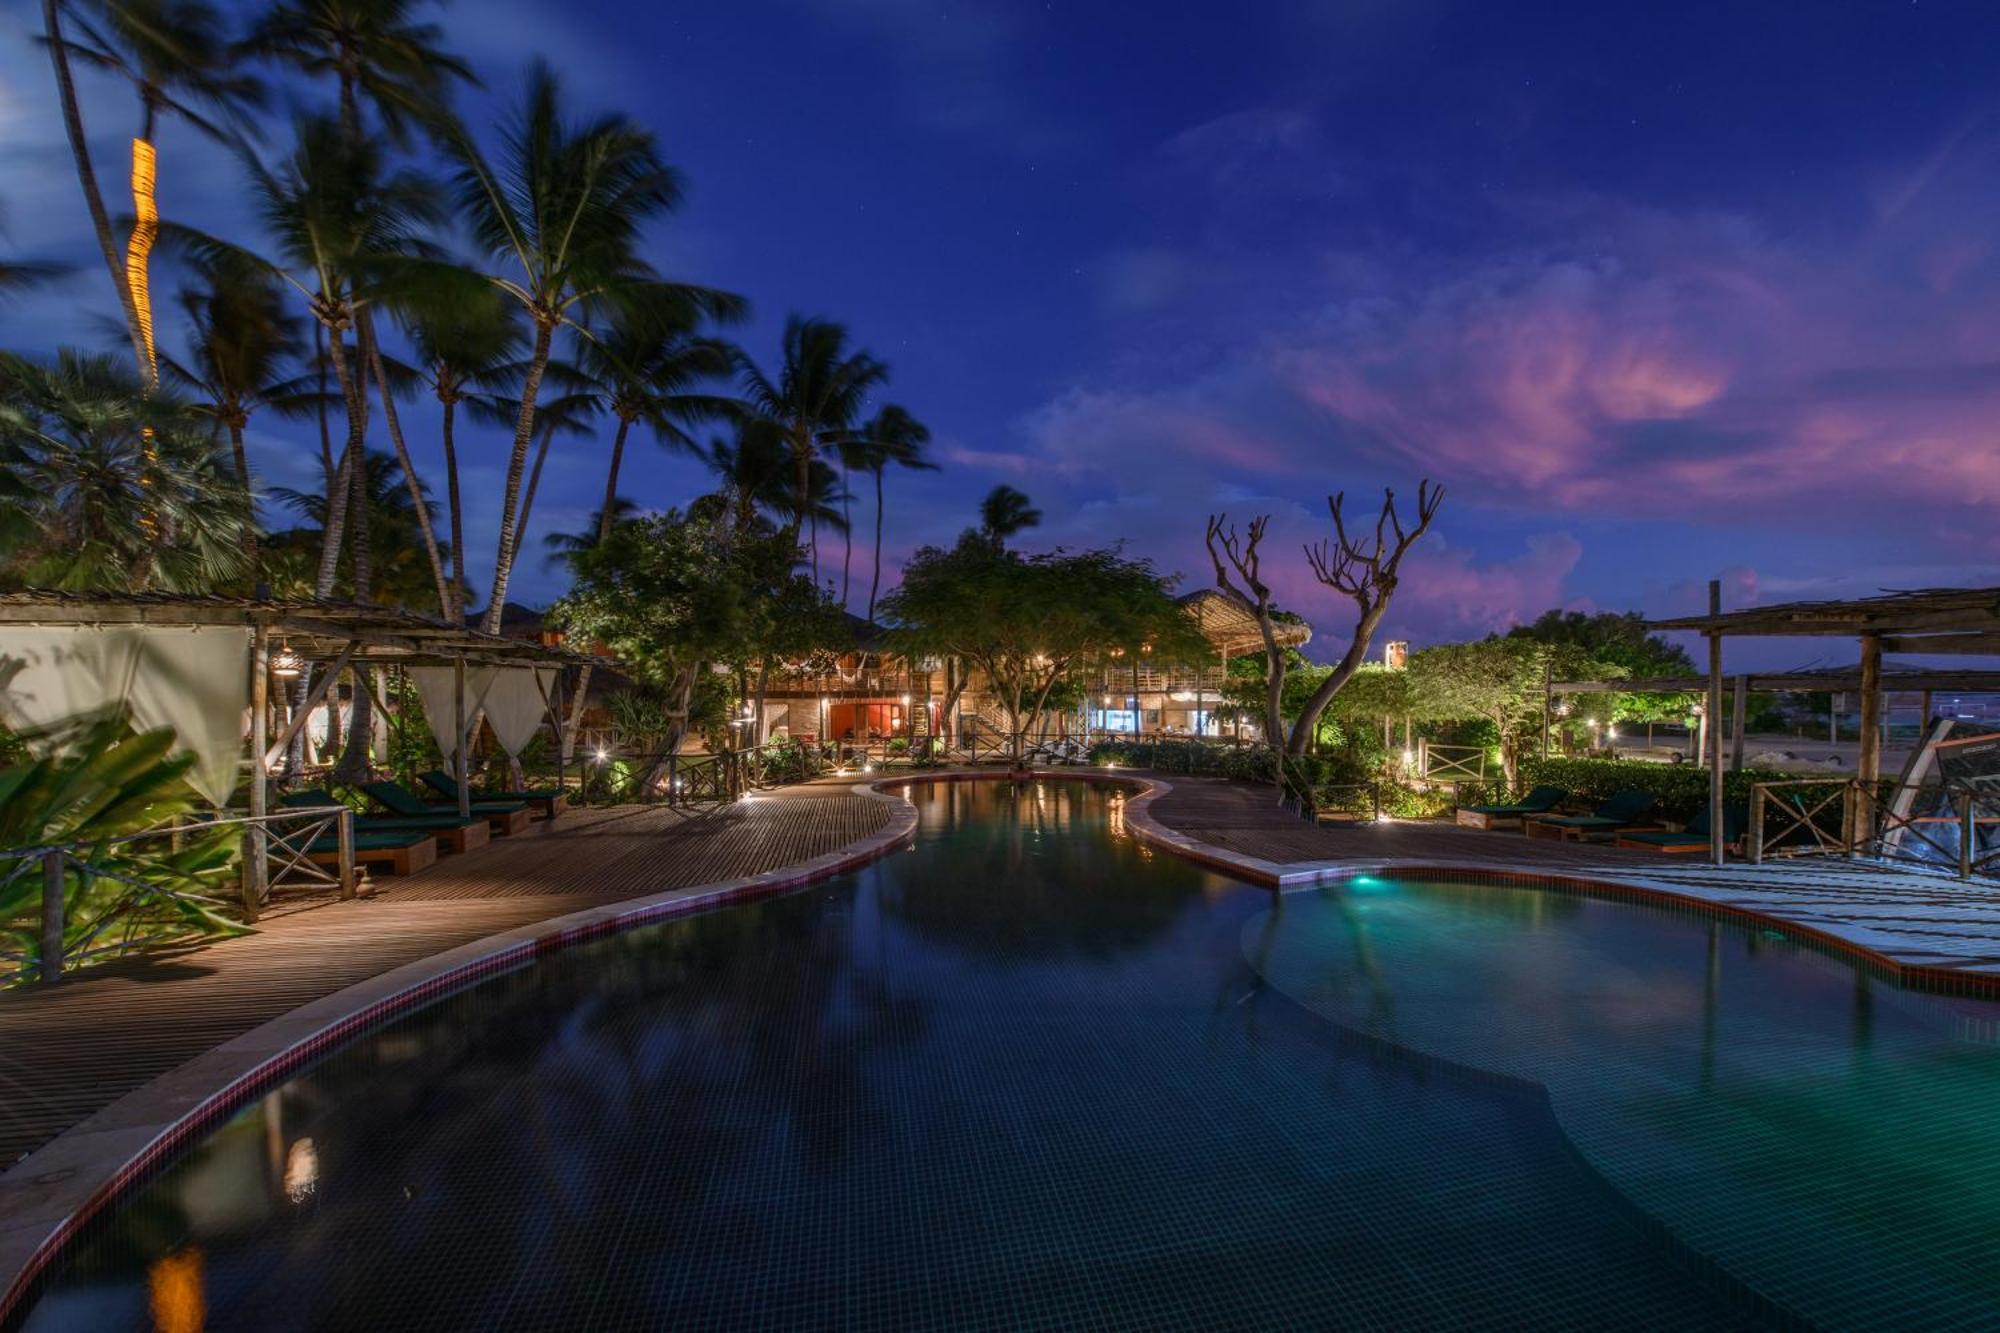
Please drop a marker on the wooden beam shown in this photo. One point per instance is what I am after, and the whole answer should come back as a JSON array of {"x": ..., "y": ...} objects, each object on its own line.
[
  {"x": 1717, "y": 832},
  {"x": 1739, "y": 712},
  {"x": 1974, "y": 643},
  {"x": 326, "y": 679}
]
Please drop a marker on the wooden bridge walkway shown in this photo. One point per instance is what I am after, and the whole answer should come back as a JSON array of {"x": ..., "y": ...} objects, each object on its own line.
[{"x": 68, "y": 1050}]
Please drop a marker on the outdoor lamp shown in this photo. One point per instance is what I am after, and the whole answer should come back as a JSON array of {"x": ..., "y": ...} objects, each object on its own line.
[{"x": 285, "y": 663}]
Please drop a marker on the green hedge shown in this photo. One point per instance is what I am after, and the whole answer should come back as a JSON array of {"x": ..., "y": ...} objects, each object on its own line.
[
  {"x": 1248, "y": 763},
  {"x": 1681, "y": 790}
]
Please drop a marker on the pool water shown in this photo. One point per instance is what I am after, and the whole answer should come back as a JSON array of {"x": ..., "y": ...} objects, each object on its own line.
[{"x": 1029, "y": 1072}]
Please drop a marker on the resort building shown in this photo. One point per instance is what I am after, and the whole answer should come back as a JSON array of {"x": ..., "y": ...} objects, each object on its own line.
[{"x": 873, "y": 695}]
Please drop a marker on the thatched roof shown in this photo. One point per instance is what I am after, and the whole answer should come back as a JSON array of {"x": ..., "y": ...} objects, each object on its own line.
[{"x": 1232, "y": 627}]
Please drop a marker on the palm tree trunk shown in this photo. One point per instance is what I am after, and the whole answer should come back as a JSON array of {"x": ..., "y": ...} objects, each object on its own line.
[
  {"x": 350, "y": 462},
  {"x": 325, "y": 432},
  {"x": 517, "y": 463},
  {"x": 455, "y": 613},
  {"x": 847, "y": 535},
  {"x": 364, "y": 327},
  {"x": 576, "y": 706},
  {"x": 876, "y": 586},
  {"x": 611, "y": 480},
  {"x": 86, "y": 175},
  {"x": 534, "y": 484},
  {"x": 250, "y": 501},
  {"x": 354, "y": 765}
]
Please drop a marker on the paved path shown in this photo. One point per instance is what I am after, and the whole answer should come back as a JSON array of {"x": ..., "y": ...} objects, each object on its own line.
[
  {"x": 1934, "y": 928},
  {"x": 71, "y": 1049}
]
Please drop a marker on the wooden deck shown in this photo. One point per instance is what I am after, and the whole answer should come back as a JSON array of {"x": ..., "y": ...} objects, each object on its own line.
[
  {"x": 1938, "y": 928},
  {"x": 71, "y": 1049}
]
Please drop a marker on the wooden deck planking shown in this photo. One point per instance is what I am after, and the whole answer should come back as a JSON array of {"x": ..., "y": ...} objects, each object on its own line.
[
  {"x": 68, "y": 1050},
  {"x": 1914, "y": 917}
]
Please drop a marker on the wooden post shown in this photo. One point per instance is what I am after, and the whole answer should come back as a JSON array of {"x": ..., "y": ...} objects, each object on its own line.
[
  {"x": 1739, "y": 710},
  {"x": 1967, "y": 831},
  {"x": 344, "y": 835},
  {"x": 1717, "y": 833},
  {"x": 460, "y": 768},
  {"x": 1548, "y": 701},
  {"x": 1924, "y": 723},
  {"x": 1868, "y": 767},
  {"x": 52, "y": 915},
  {"x": 256, "y": 869},
  {"x": 1753, "y": 837}
]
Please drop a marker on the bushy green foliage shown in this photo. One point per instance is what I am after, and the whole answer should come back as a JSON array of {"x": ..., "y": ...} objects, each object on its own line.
[
  {"x": 1245, "y": 763},
  {"x": 87, "y": 784},
  {"x": 1681, "y": 790}
]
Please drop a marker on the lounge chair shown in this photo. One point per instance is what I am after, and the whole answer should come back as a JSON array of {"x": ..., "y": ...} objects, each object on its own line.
[
  {"x": 1625, "y": 810},
  {"x": 398, "y": 800},
  {"x": 401, "y": 851},
  {"x": 1693, "y": 838},
  {"x": 1543, "y": 800},
  {"x": 457, "y": 835},
  {"x": 551, "y": 801}
]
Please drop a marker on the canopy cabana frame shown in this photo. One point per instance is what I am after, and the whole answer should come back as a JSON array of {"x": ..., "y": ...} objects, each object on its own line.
[
  {"x": 339, "y": 634},
  {"x": 1946, "y": 621}
]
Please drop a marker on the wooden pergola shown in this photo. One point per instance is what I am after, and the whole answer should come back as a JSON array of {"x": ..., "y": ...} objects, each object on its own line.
[
  {"x": 1929, "y": 621},
  {"x": 335, "y": 635}
]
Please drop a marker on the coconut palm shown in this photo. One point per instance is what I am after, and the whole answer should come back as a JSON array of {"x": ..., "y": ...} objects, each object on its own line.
[
  {"x": 757, "y": 477},
  {"x": 648, "y": 368},
  {"x": 375, "y": 49},
  {"x": 466, "y": 334},
  {"x": 337, "y": 220},
  {"x": 177, "y": 57},
  {"x": 244, "y": 350},
  {"x": 395, "y": 570},
  {"x": 563, "y": 548},
  {"x": 1004, "y": 512},
  {"x": 102, "y": 468},
  {"x": 567, "y": 414},
  {"x": 895, "y": 437},
  {"x": 562, "y": 213},
  {"x": 815, "y": 401}
]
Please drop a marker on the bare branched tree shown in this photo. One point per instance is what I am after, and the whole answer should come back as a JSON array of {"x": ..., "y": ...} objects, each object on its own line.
[
  {"x": 1229, "y": 551},
  {"x": 1366, "y": 570}
]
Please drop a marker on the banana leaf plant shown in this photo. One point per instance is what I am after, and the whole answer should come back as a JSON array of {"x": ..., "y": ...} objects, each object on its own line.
[{"x": 86, "y": 787}]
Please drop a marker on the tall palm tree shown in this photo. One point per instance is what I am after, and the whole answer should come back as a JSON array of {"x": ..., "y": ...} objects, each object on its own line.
[
  {"x": 57, "y": 44},
  {"x": 244, "y": 352},
  {"x": 1004, "y": 512},
  {"x": 895, "y": 437},
  {"x": 374, "y": 49},
  {"x": 177, "y": 56},
  {"x": 337, "y": 219},
  {"x": 465, "y": 335},
  {"x": 395, "y": 569},
  {"x": 815, "y": 401},
  {"x": 99, "y": 462},
  {"x": 647, "y": 368},
  {"x": 757, "y": 477},
  {"x": 566, "y": 414},
  {"x": 562, "y": 214}
]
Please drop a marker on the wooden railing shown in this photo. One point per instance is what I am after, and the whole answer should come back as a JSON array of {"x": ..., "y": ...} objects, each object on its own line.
[{"x": 1949, "y": 825}]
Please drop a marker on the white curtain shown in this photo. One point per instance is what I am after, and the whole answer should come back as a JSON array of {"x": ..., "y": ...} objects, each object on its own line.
[
  {"x": 434, "y": 688},
  {"x": 193, "y": 678},
  {"x": 516, "y": 702}
]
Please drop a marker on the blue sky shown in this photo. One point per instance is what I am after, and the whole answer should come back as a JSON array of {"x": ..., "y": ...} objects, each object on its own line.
[{"x": 1660, "y": 292}]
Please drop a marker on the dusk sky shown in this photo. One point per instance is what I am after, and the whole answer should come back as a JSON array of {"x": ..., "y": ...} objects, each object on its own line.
[{"x": 1660, "y": 293}]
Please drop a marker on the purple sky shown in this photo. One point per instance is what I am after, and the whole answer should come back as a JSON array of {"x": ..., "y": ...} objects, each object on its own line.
[{"x": 1661, "y": 293}]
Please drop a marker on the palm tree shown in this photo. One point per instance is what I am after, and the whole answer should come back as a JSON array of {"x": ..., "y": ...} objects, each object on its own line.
[
  {"x": 563, "y": 548},
  {"x": 563, "y": 213},
  {"x": 893, "y": 436},
  {"x": 466, "y": 334},
  {"x": 757, "y": 477},
  {"x": 86, "y": 174},
  {"x": 815, "y": 401},
  {"x": 396, "y": 573},
  {"x": 102, "y": 466},
  {"x": 647, "y": 367},
  {"x": 1004, "y": 512},
  {"x": 244, "y": 350},
  {"x": 375, "y": 49},
  {"x": 177, "y": 57},
  {"x": 338, "y": 219},
  {"x": 568, "y": 414}
]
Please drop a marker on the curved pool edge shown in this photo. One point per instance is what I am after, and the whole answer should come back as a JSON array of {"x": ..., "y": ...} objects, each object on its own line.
[{"x": 49, "y": 1196}]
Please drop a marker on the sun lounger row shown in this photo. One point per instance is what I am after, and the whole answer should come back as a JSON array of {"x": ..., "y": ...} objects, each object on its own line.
[
  {"x": 407, "y": 838},
  {"x": 1625, "y": 818}
]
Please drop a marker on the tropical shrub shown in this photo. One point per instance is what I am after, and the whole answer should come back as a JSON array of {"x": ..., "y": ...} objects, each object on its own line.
[
  {"x": 88, "y": 784},
  {"x": 1679, "y": 790}
]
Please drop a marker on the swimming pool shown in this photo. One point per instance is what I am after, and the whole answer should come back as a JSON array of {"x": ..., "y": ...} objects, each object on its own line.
[{"x": 1029, "y": 1072}]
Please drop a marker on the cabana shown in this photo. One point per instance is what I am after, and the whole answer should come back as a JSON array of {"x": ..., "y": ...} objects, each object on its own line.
[
  {"x": 1931, "y": 621},
  {"x": 201, "y": 663}
]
